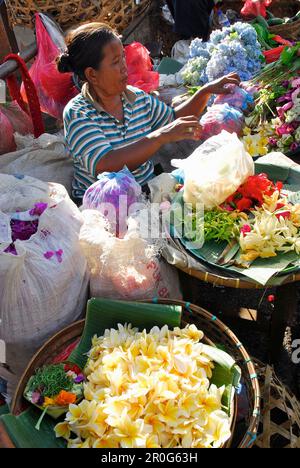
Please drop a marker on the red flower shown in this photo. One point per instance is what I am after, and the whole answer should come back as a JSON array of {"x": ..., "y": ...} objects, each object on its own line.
[
  {"x": 73, "y": 368},
  {"x": 244, "y": 204}
]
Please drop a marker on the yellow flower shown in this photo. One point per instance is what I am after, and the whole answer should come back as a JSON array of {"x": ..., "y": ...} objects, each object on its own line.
[
  {"x": 48, "y": 402},
  {"x": 63, "y": 430}
]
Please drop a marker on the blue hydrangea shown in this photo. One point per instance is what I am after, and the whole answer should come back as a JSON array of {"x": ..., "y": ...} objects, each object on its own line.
[{"x": 232, "y": 49}]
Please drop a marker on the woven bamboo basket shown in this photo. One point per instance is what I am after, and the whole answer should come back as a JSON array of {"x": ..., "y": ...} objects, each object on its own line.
[
  {"x": 215, "y": 332},
  {"x": 237, "y": 283},
  {"x": 280, "y": 416},
  {"x": 117, "y": 13},
  {"x": 287, "y": 30}
]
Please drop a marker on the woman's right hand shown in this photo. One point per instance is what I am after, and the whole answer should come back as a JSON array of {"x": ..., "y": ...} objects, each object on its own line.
[{"x": 184, "y": 128}]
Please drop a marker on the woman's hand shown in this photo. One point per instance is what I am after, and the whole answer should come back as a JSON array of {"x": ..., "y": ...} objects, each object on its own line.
[
  {"x": 219, "y": 86},
  {"x": 184, "y": 128}
]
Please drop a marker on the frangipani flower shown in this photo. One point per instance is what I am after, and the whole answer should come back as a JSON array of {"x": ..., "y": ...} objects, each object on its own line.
[{"x": 147, "y": 390}]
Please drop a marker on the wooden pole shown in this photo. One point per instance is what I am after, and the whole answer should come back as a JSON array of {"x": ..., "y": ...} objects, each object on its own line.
[{"x": 8, "y": 42}]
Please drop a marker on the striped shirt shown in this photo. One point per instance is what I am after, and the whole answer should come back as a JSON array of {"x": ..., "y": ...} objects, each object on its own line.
[{"x": 91, "y": 132}]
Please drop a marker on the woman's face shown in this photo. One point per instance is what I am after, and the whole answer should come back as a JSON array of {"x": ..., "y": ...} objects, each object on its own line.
[{"x": 111, "y": 77}]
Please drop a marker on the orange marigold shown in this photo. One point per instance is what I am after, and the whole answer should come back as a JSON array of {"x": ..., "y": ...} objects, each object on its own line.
[{"x": 65, "y": 398}]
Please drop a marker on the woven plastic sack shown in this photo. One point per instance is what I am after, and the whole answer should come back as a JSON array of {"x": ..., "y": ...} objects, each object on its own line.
[
  {"x": 7, "y": 143},
  {"x": 109, "y": 189},
  {"x": 54, "y": 89},
  {"x": 215, "y": 170},
  {"x": 127, "y": 269},
  {"x": 238, "y": 98},
  {"x": 140, "y": 68},
  {"x": 221, "y": 117},
  {"x": 255, "y": 8},
  {"x": 43, "y": 288},
  {"x": 45, "y": 158}
]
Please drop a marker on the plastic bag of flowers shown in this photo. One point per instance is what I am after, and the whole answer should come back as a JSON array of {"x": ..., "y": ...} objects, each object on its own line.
[
  {"x": 221, "y": 117},
  {"x": 215, "y": 170},
  {"x": 158, "y": 389},
  {"x": 43, "y": 278},
  {"x": 238, "y": 98},
  {"x": 130, "y": 268},
  {"x": 115, "y": 190}
]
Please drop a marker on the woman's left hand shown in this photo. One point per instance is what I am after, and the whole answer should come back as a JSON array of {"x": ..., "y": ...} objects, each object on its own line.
[{"x": 219, "y": 86}]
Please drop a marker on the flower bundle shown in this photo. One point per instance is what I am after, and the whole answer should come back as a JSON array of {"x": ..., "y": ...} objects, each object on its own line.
[
  {"x": 287, "y": 126},
  {"x": 150, "y": 390},
  {"x": 232, "y": 49}
]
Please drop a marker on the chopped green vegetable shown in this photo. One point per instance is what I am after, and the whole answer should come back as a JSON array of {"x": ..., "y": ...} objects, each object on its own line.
[
  {"x": 219, "y": 226},
  {"x": 50, "y": 380}
]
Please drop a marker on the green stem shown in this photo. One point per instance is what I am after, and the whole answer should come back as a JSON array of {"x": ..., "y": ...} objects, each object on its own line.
[{"x": 38, "y": 424}]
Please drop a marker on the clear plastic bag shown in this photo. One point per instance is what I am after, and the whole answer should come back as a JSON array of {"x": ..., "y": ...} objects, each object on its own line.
[
  {"x": 109, "y": 189},
  {"x": 215, "y": 170},
  {"x": 129, "y": 268},
  {"x": 221, "y": 117},
  {"x": 239, "y": 98}
]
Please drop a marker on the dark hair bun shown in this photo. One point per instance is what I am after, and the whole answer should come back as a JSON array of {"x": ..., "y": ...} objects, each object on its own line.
[{"x": 63, "y": 63}]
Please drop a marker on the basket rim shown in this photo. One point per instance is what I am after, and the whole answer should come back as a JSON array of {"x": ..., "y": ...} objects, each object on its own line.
[{"x": 74, "y": 330}]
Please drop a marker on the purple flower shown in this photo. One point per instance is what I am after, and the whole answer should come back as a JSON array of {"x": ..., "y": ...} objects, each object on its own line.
[
  {"x": 286, "y": 83},
  {"x": 79, "y": 378},
  {"x": 48, "y": 255},
  {"x": 59, "y": 255},
  {"x": 38, "y": 209},
  {"x": 272, "y": 141},
  {"x": 294, "y": 146},
  {"x": 41, "y": 401}
]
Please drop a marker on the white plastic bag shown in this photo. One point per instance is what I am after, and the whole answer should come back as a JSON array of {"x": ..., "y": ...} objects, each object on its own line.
[
  {"x": 38, "y": 295},
  {"x": 129, "y": 268},
  {"x": 45, "y": 158},
  {"x": 215, "y": 170}
]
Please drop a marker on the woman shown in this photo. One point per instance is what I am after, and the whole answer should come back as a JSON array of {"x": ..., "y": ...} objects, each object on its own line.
[{"x": 110, "y": 125}]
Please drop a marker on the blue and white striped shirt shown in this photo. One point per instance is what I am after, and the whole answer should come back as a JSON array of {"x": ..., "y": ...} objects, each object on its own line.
[{"x": 91, "y": 132}]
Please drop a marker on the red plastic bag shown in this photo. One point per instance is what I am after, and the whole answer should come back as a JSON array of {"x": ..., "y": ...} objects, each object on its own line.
[
  {"x": 140, "y": 68},
  {"x": 20, "y": 121},
  {"x": 7, "y": 142},
  {"x": 54, "y": 89},
  {"x": 255, "y": 8}
]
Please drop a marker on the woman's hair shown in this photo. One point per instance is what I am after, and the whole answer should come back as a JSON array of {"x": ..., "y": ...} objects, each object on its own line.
[{"x": 85, "y": 48}]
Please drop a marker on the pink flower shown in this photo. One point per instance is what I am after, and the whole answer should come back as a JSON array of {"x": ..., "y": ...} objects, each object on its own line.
[
  {"x": 245, "y": 229},
  {"x": 282, "y": 110},
  {"x": 35, "y": 397},
  {"x": 284, "y": 129}
]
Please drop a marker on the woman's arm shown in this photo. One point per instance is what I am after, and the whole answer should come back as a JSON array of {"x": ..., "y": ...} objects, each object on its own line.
[
  {"x": 197, "y": 103},
  {"x": 135, "y": 154}
]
